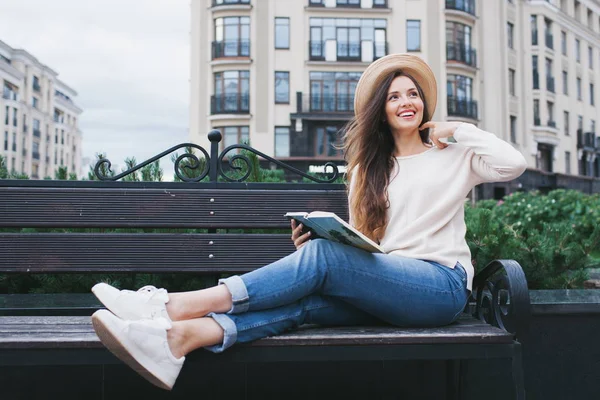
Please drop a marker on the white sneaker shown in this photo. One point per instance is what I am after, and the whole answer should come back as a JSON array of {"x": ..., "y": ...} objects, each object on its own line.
[
  {"x": 147, "y": 303},
  {"x": 140, "y": 344}
]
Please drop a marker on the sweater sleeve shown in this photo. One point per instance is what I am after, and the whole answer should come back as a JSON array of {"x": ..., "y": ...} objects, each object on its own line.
[{"x": 492, "y": 159}]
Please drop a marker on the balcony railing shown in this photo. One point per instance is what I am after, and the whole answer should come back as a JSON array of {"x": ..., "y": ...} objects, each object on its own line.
[
  {"x": 231, "y": 48},
  {"x": 327, "y": 103},
  {"x": 587, "y": 140},
  {"x": 348, "y": 3},
  {"x": 462, "y": 107},
  {"x": 552, "y": 124},
  {"x": 550, "y": 84},
  {"x": 536, "y": 80},
  {"x": 230, "y": 104},
  {"x": 216, "y": 3},
  {"x": 461, "y": 53},
  {"x": 549, "y": 41},
  {"x": 346, "y": 51},
  {"x": 37, "y": 133},
  {"x": 467, "y": 6}
]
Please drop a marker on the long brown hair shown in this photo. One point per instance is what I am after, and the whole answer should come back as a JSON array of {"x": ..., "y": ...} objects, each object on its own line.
[{"x": 368, "y": 149}]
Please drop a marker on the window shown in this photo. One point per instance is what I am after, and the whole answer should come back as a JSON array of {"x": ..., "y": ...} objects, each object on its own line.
[
  {"x": 348, "y": 3},
  {"x": 282, "y": 141},
  {"x": 36, "y": 83},
  {"x": 549, "y": 77},
  {"x": 511, "y": 81},
  {"x": 577, "y": 50},
  {"x": 513, "y": 129},
  {"x": 509, "y": 33},
  {"x": 282, "y": 33},
  {"x": 326, "y": 139},
  {"x": 580, "y": 123},
  {"x": 548, "y": 33},
  {"x": 458, "y": 43},
  {"x": 565, "y": 81},
  {"x": 591, "y": 57},
  {"x": 14, "y": 144},
  {"x": 460, "y": 96},
  {"x": 35, "y": 102},
  {"x": 536, "y": 75},
  {"x": 6, "y": 140},
  {"x": 282, "y": 87},
  {"x": 379, "y": 3},
  {"x": 592, "y": 102},
  {"x": 62, "y": 136},
  {"x": 232, "y": 37},
  {"x": 413, "y": 35},
  {"x": 536, "y": 112},
  {"x": 234, "y": 135},
  {"x": 579, "y": 96},
  {"x": 545, "y": 157},
  {"x": 7, "y": 116},
  {"x": 232, "y": 90},
  {"x": 534, "y": 31},
  {"x": 333, "y": 91},
  {"x": 593, "y": 126},
  {"x": 567, "y": 162},
  {"x": 551, "y": 122},
  {"x": 348, "y": 33},
  {"x": 566, "y": 122},
  {"x": 563, "y": 42},
  {"x": 15, "y": 112}
]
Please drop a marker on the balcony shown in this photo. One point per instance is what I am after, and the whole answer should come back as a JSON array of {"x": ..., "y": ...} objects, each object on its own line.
[
  {"x": 549, "y": 41},
  {"x": 346, "y": 51},
  {"x": 231, "y": 48},
  {"x": 216, "y": 3},
  {"x": 461, "y": 53},
  {"x": 328, "y": 103},
  {"x": 37, "y": 133},
  {"x": 230, "y": 104},
  {"x": 467, "y": 6},
  {"x": 462, "y": 108},
  {"x": 587, "y": 140},
  {"x": 550, "y": 84}
]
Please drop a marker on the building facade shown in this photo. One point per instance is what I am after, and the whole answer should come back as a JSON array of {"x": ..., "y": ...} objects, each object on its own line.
[
  {"x": 39, "y": 119},
  {"x": 282, "y": 73}
]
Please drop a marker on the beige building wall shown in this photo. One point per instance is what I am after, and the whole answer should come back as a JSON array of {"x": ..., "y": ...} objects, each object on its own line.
[
  {"x": 38, "y": 117},
  {"x": 480, "y": 64}
]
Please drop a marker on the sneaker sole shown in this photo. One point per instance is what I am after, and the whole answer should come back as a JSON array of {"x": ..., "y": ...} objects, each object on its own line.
[{"x": 118, "y": 346}]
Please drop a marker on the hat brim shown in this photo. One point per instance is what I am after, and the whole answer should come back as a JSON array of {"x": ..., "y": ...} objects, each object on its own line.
[{"x": 380, "y": 69}]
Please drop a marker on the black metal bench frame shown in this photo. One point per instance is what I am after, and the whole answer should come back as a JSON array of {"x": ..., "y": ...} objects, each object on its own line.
[{"x": 499, "y": 307}]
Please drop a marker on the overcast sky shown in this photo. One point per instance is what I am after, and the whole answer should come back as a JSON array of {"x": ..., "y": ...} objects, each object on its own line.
[{"x": 127, "y": 59}]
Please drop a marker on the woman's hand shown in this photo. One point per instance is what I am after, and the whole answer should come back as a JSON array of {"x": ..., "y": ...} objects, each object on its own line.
[
  {"x": 297, "y": 237},
  {"x": 440, "y": 130}
]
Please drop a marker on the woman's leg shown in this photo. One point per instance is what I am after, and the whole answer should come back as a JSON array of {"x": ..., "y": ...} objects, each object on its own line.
[{"x": 219, "y": 331}]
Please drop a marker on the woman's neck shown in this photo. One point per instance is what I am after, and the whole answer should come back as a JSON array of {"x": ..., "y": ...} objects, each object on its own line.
[{"x": 408, "y": 144}]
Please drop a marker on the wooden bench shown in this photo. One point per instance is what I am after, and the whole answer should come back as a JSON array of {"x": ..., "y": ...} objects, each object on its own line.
[{"x": 205, "y": 219}]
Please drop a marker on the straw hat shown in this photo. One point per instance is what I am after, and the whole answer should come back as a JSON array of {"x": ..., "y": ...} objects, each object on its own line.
[{"x": 377, "y": 71}]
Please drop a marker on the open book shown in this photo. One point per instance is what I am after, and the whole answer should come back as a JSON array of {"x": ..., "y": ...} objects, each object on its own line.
[{"x": 329, "y": 226}]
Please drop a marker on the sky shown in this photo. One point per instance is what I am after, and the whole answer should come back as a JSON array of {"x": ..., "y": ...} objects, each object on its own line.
[{"x": 128, "y": 60}]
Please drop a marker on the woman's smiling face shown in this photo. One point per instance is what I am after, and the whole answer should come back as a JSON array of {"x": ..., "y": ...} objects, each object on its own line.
[{"x": 403, "y": 106}]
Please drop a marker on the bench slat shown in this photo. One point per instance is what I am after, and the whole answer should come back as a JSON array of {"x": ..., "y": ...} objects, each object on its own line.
[
  {"x": 77, "y": 332},
  {"x": 25, "y": 207},
  {"x": 117, "y": 252}
]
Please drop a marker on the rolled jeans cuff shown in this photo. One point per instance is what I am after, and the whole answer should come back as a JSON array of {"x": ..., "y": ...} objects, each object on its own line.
[
  {"x": 229, "y": 332},
  {"x": 239, "y": 294}
]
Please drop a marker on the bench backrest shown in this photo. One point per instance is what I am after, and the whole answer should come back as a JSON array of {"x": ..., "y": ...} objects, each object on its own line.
[{"x": 50, "y": 226}]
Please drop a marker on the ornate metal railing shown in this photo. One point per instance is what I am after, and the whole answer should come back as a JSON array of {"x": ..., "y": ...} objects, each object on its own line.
[
  {"x": 210, "y": 165},
  {"x": 502, "y": 298}
]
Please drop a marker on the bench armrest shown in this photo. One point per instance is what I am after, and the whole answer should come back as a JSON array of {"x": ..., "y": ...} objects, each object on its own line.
[{"x": 501, "y": 297}]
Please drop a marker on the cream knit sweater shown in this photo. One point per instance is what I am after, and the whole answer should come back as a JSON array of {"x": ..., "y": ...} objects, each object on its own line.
[{"x": 427, "y": 193}]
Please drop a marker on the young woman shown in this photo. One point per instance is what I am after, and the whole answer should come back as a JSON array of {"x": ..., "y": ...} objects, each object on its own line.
[{"x": 408, "y": 188}]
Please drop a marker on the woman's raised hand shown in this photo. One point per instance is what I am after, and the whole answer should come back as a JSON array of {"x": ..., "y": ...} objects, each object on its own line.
[
  {"x": 440, "y": 130},
  {"x": 298, "y": 238}
]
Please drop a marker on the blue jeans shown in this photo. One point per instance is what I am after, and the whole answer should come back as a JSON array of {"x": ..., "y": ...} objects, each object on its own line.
[{"x": 332, "y": 284}]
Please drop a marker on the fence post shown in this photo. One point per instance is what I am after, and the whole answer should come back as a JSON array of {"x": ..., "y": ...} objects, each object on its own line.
[{"x": 215, "y": 138}]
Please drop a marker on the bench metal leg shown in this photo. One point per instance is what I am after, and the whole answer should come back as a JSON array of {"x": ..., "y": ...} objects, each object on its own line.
[
  {"x": 453, "y": 379},
  {"x": 517, "y": 370}
]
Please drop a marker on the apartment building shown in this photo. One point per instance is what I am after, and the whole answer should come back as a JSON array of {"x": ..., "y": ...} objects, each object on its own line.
[
  {"x": 282, "y": 73},
  {"x": 38, "y": 117}
]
